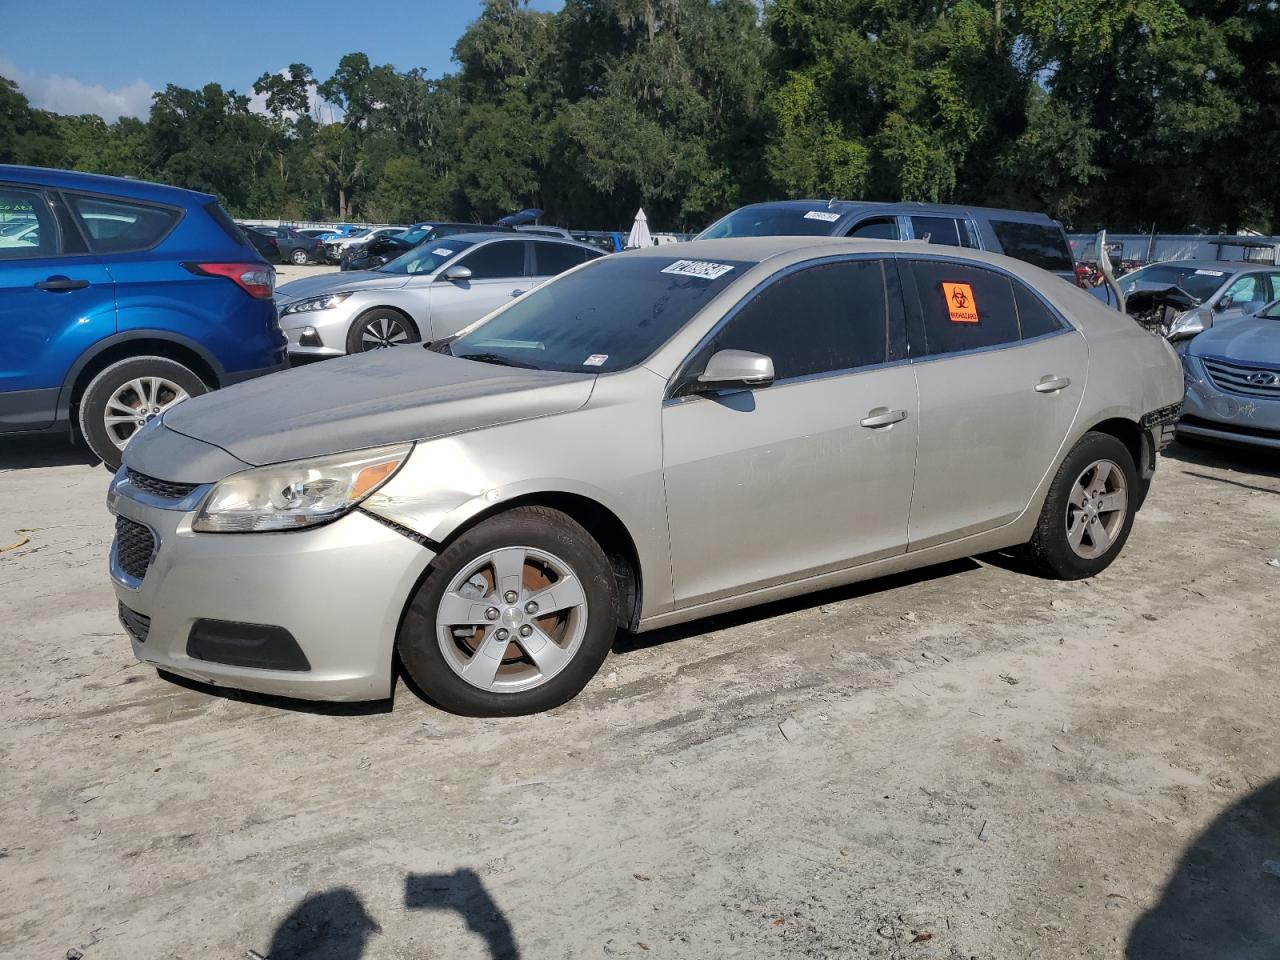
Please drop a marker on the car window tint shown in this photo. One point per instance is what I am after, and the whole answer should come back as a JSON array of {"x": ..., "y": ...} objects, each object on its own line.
[
  {"x": 1274, "y": 280},
  {"x": 1041, "y": 244},
  {"x": 1034, "y": 318},
  {"x": 114, "y": 226},
  {"x": 1247, "y": 289},
  {"x": 553, "y": 258},
  {"x": 825, "y": 318},
  {"x": 26, "y": 225},
  {"x": 504, "y": 258},
  {"x": 962, "y": 308},
  {"x": 936, "y": 230},
  {"x": 885, "y": 228}
]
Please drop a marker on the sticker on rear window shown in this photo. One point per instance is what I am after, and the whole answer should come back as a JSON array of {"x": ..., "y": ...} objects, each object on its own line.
[
  {"x": 442, "y": 252},
  {"x": 1211, "y": 273},
  {"x": 595, "y": 360},
  {"x": 702, "y": 269},
  {"x": 822, "y": 215},
  {"x": 961, "y": 304}
]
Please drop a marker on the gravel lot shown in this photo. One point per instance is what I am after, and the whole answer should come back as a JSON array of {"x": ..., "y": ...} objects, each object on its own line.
[{"x": 982, "y": 764}]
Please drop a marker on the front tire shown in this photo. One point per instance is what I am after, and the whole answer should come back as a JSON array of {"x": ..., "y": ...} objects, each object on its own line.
[
  {"x": 124, "y": 396},
  {"x": 299, "y": 257},
  {"x": 1089, "y": 511},
  {"x": 515, "y": 617},
  {"x": 379, "y": 328}
]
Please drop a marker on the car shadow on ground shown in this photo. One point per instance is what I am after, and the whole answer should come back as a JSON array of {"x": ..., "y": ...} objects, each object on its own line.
[
  {"x": 1223, "y": 900},
  {"x": 1259, "y": 461},
  {"x": 327, "y": 708},
  {"x": 334, "y": 925},
  {"x": 43, "y": 450},
  {"x": 627, "y": 643}
]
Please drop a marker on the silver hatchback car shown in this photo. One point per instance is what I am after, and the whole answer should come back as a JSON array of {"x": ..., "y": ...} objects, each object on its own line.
[
  {"x": 651, "y": 438},
  {"x": 427, "y": 293}
]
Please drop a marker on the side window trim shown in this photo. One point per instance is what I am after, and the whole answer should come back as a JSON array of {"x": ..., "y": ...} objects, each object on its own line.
[
  {"x": 681, "y": 377},
  {"x": 915, "y": 310}
]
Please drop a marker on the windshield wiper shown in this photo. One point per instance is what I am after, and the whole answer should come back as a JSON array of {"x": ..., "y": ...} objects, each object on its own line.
[{"x": 496, "y": 359}]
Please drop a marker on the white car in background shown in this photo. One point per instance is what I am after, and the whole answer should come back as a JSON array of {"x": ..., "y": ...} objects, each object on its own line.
[{"x": 335, "y": 248}]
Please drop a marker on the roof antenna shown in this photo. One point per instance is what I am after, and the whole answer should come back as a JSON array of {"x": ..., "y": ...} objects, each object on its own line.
[{"x": 831, "y": 203}]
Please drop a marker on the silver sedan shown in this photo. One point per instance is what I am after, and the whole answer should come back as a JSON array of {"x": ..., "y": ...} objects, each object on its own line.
[
  {"x": 651, "y": 438},
  {"x": 429, "y": 292}
]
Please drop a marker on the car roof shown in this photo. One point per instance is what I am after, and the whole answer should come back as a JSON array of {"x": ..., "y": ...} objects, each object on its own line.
[
  {"x": 846, "y": 207},
  {"x": 1225, "y": 266},
  {"x": 516, "y": 235},
  {"x": 100, "y": 183}
]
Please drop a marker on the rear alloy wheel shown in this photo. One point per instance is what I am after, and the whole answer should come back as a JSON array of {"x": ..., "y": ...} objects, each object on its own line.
[
  {"x": 380, "y": 328},
  {"x": 121, "y": 399},
  {"x": 1089, "y": 510},
  {"x": 299, "y": 256},
  {"x": 516, "y": 616}
]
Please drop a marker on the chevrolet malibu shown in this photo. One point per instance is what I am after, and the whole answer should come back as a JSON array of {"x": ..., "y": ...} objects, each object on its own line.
[{"x": 649, "y": 438}]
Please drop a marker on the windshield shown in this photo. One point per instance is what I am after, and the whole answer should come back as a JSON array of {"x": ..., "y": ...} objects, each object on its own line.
[
  {"x": 610, "y": 315},
  {"x": 415, "y": 235},
  {"x": 427, "y": 258},
  {"x": 773, "y": 222},
  {"x": 1197, "y": 281}
]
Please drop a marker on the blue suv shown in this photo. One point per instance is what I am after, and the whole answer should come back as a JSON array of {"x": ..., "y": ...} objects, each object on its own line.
[{"x": 120, "y": 298}]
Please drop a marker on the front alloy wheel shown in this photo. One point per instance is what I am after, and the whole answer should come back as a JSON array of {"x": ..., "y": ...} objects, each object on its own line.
[
  {"x": 379, "y": 329},
  {"x": 515, "y": 617}
]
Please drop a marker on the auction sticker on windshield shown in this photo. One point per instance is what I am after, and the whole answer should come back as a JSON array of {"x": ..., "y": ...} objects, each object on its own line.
[
  {"x": 1209, "y": 273},
  {"x": 595, "y": 360},
  {"x": 961, "y": 304},
  {"x": 702, "y": 269},
  {"x": 822, "y": 215},
  {"x": 443, "y": 252}
]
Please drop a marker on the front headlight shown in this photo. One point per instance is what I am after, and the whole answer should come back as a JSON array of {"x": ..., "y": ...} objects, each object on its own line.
[
  {"x": 288, "y": 496},
  {"x": 327, "y": 302}
]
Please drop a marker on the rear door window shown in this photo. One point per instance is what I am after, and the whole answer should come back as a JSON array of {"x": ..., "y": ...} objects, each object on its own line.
[
  {"x": 961, "y": 308},
  {"x": 494, "y": 261},
  {"x": 943, "y": 230},
  {"x": 822, "y": 319},
  {"x": 120, "y": 226},
  {"x": 553, "y": 258},
  {"x": 27, "y": 228},
  {"x": 1040, "y": 244}
]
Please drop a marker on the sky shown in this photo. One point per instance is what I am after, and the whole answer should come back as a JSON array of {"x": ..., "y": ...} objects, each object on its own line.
[{"x": 86, "y": 56}]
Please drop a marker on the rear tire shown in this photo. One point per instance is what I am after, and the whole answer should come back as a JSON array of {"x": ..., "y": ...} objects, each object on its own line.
[
  {"x": 125, "y": 395},
  {"x": 476, "y": 601},
  {"x": 379, "y": 328},
  {"x": 1089, "y": 511},
  {"x": 300, "y": 257}
]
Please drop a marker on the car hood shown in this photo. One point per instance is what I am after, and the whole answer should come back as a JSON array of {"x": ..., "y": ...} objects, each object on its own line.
[
  {"x": 333, "y": 282},
  {"x": 366, "y": 400},
  {"x": 1245, "y": 339}
]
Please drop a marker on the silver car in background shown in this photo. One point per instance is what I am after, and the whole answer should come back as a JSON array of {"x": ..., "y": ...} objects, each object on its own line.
[
  {"x": 1223, "y": 290},
  {"x": 651, "y": 438},
  {"x": 427, "y": 293}
]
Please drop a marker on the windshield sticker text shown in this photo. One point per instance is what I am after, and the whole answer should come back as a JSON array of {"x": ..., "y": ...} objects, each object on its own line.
[
  {"x": 442, "y": 252},
  {"x": 1210, "y": 273},
  {"x": 961, "y": 304},
  {"x": 702, "y": 269},
  {"x": 595, "y": 360},
  {"x": 822, "y": 215}
]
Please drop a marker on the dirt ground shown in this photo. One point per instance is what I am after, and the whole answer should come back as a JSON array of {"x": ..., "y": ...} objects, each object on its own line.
[{"x": 982, "y": 764}]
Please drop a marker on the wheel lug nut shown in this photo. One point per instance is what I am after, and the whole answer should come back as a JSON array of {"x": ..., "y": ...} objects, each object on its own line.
[
  {"x": 511, "y": 596},
  {"x": 526, "y": 631},
  {"x": 530, "y": 607},
  {"x": 491, "y": 613},
  {"x": 503, "y": 634}
]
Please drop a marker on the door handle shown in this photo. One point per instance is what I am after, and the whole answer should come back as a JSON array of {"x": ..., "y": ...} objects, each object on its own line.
[
  {"x": 882, "y": 417},
  {"x": 1051, "y": 384},
  {"x": 60, "y": 282}
]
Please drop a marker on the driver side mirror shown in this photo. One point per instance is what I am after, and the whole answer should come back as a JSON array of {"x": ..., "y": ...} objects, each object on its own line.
[
  {"x": 457, "y": 273},
  {"x": 1224, "y": 304},
  {"x": 735, "y": 370}
]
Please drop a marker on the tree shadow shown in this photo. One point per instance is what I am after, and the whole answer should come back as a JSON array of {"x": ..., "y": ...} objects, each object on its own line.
[
  {"x": 1223, "y": 901},
  {"x": 463, "y": 892},
  {"x": 43, "y": 450}
]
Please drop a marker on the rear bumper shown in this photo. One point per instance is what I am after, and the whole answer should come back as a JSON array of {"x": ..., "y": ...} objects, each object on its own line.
[
  {"x": 336, "y": 592},
  {"x": 281, "y": 362}
]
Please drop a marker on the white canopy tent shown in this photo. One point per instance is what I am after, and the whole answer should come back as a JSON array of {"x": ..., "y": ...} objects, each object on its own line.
[{"x": 639, "y": 235}]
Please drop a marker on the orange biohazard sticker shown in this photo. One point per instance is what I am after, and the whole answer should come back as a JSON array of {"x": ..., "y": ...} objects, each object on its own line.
[{"x": 960, "y": 302}]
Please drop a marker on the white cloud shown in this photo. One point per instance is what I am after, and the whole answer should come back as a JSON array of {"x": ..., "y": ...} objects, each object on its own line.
[{"x": 68, "y": 95}]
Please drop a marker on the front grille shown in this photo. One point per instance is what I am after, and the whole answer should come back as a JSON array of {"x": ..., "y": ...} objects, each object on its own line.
[
  {"x": 1243, "y": 380},
  {"x": 138, "y": 625},
  {"x": 161, "y": 488},
  {"x": 135, "y": 545}
]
